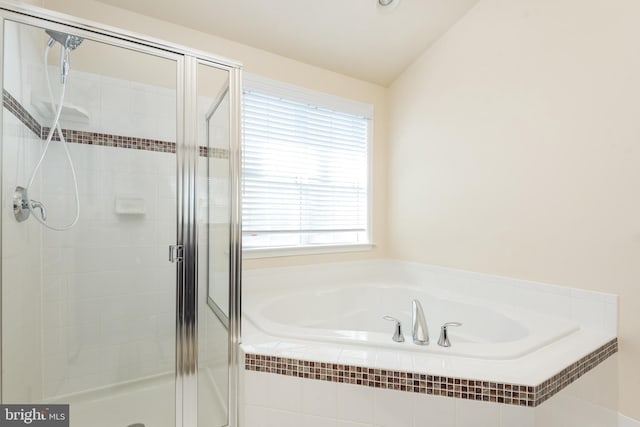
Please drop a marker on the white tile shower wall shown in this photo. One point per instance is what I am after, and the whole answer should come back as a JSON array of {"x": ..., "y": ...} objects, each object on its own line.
[
  {"x": 21, "y": 268},
  {"x": 113, "y": 106},
  {"x": 271, "y": 400},
  {"x": 110, "y": 312}
]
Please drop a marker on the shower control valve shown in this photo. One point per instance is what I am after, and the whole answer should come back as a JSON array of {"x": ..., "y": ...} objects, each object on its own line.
[
  {"x": 20, "y": 204},
  {"x": 38, "y": 205}
]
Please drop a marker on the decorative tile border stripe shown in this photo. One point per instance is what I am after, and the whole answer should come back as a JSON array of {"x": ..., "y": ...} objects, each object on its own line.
[
  {"x": 574, "y": 371},
  {"x": 100, "y": 139},
  {"x": 12, "y": 104},
  {"x": 109, "y": 140},
  {"x": 216, "y": 153},
  {"x": 461, "y": 388},
  {"x": 513, "y": 394}
]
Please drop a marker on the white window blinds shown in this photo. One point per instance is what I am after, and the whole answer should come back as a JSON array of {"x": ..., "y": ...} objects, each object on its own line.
[{"x": 305, "y": 173}]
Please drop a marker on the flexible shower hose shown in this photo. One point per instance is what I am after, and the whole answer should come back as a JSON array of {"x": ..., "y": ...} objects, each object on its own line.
[{"x": 55, "y": 126}]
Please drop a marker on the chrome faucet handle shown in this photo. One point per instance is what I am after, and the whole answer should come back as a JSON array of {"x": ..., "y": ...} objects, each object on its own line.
[
  {"x": 443, "y": 341},
  {"x": 397, "y": 335},
  {"x": 38, "y": 205},
  {"x": 419, "y": 328}
]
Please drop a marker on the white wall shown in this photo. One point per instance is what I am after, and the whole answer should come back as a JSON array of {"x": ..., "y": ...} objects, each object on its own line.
[
  {"x": 513, "y": 145},
  {"x": 514, "y": 150},
  {"x": 21, "y": 255}
]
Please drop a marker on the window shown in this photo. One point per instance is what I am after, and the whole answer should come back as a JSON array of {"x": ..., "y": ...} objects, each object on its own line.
[{"x": 305, "y": 169}]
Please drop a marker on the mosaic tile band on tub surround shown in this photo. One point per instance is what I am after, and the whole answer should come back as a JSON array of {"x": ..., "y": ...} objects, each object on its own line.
[
  {"x": 461, "y": 388},
  {"x": 99, "y": 139}
]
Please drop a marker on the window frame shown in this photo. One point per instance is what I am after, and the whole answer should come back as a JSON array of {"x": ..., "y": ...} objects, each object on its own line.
[{"x": 301, "y": 94}]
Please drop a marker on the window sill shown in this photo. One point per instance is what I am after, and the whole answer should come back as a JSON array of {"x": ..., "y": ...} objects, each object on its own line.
[{"x": 254, "y": 253}]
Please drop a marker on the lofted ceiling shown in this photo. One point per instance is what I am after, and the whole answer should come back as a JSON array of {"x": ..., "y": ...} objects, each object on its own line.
[{"x": 353, "y": 37}]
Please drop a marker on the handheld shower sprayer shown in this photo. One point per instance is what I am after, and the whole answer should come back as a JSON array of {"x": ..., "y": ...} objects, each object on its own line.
[
  {"x": 68, "y": 43},
  {"x": 23, "y": 204}
]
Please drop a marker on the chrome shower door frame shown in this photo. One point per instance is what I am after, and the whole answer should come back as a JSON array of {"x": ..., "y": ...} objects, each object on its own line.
[{"x": 186, "y": 168}]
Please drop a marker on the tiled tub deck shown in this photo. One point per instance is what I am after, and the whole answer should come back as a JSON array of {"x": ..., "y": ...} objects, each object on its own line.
[{"x": 425, "y": 383}]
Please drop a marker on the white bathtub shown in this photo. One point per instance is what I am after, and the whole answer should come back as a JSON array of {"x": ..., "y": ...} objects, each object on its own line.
[
  {"x": 351, "y": 313},
  {"x": 319, "y": 329}
]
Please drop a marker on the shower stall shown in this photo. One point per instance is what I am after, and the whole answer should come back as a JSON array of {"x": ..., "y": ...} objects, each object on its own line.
[{"x": 120, "y": 255}]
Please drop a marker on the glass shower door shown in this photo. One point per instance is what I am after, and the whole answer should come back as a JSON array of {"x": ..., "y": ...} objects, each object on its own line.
[
  {"x": 89, "y": 313},
  {"x": 215, "y": 211}
]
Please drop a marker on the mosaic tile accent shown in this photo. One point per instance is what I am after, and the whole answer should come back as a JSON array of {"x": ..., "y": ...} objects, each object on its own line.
[
  {"x": 100, "y": 139},
  {"x": 216, "y": 153},
  {"x": 574, "y": 371},
  {"x": 461, "y": 388},
  {"x": 109, "y": 140},
  {"x": 12, "y": 104}
]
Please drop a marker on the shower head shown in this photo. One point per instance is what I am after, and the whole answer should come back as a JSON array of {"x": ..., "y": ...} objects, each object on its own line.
[
  {"x": 67, "y": 40},
  {"x": 68, "y": 43}
]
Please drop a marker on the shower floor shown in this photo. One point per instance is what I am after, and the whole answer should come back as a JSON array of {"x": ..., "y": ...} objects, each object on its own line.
[{"x": 149, "y": 402}]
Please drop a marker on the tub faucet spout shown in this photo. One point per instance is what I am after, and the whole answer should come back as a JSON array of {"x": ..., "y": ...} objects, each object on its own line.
[{"x": 419, "y": 330}]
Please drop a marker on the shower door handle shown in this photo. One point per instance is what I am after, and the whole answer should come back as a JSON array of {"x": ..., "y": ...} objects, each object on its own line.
[{"x": 175, "y": 253}]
